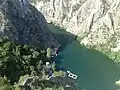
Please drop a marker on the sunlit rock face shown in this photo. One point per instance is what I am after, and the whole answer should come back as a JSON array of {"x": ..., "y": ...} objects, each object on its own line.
[
  {"x": 21, "y": 22},
  {"x": 96, "y": 22}
]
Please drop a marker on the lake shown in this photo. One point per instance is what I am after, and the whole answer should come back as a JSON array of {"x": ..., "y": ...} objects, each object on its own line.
[{"x": 95, "y": 70}]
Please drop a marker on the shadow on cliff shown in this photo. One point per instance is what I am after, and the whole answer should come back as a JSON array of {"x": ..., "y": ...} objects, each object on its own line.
[{"x": 27, "y": 25}]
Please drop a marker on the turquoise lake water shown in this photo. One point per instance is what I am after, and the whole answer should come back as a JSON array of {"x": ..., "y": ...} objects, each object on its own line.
[{"x": 95, "y": 70}]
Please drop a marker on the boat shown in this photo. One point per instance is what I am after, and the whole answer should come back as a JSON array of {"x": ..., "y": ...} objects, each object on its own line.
[{"x": 71, "y": 75}]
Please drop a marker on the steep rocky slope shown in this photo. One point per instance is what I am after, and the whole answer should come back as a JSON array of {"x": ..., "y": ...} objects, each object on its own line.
[
  {"x": 96, "y": 22},
  {"x": 21, "y": 22}
]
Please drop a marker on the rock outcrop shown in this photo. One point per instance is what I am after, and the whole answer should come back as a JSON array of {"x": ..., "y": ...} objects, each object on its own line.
[
  {"x": 55, "y": 83},
  {"x": 96, "y": 22},
  {"x": 22, "y": 22}
]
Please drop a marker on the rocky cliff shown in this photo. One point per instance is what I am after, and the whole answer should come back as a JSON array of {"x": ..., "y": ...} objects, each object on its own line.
[
  {"x": 96, "y": 22},
  {"x": 21, "y": 22}
]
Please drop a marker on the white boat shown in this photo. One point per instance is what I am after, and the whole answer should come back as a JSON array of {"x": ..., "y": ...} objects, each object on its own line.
[{"x": 71, "y": 75}]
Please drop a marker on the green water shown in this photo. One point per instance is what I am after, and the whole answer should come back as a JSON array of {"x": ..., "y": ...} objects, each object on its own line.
[{"x": 95, "y": 71}]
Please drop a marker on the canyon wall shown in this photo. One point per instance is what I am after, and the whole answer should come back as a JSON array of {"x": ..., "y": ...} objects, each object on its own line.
[
  {"x": 95, "y": 22},
  {"x": 22, "y": 22}
]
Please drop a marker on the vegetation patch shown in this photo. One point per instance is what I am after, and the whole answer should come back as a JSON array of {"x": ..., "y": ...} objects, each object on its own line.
[{"x": 19, "y": 62}]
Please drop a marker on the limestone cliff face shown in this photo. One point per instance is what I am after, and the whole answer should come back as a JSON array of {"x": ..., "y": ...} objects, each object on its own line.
[
  {"x": 96, "y": 22},
  {"x": 21, "y": 22}
]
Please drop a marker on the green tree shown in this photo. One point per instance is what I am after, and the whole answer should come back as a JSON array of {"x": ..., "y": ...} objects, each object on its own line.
[
  {"x": 39, "y": 65},
  {"x": 4, "y": 84},
  {"x": 16, "y": 59}
]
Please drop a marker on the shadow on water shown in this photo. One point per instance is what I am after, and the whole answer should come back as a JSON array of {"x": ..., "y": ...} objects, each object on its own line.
[
  {"x": 59, "y": 60},
  {"x": 63, "y": 37},
  {"x": 64, "y": 40},
  {"x": 95, "y": 70}
]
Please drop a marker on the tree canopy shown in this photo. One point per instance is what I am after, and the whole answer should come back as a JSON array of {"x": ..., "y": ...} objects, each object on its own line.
[{"x": 16, "y": 60}]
